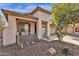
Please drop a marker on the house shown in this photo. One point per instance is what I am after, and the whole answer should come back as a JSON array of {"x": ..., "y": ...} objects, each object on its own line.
[{"x": 35, "y": 23}]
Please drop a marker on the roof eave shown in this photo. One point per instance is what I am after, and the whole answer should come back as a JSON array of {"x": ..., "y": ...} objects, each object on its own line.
[{"x": 6, "y": 12}]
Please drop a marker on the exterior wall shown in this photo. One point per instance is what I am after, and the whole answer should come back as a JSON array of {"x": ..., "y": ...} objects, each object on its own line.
[
  {"x": 32, "y": 27},
  {"x": 39, "y": 29},
  {"x": 70, "y": 28},
  {"x": 41, "y": 15},
  {"x": 9, "y": 35}
]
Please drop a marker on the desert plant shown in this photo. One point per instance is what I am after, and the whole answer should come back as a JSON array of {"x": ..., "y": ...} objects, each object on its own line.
[
  {"x": 66, "y": 52},
  {"x": 19, "y": 42}
]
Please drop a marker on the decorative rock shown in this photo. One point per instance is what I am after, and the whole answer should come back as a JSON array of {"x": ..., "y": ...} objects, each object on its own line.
[
  {"x": 52, "y": 50},
  {"x": 33, "y": 42},
  {"x": 27, "y": 42}
]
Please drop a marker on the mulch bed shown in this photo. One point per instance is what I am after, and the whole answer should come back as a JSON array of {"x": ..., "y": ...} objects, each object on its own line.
[{"x": 39, "y": 49}]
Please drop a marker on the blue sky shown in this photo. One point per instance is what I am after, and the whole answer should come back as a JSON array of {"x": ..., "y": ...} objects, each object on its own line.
[{"x": 24, "y": 7}]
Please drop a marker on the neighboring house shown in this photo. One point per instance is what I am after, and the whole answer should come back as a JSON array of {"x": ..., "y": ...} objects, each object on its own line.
[{"x": 37, "y": 22}]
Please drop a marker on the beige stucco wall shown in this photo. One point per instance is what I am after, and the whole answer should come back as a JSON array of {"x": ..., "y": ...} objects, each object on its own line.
[
  {"x": 41, "y": 15},
  {"x": 70, "y": 28},
  {"x": 32, "y": 27},
  {"x": 9, "y": 35}
]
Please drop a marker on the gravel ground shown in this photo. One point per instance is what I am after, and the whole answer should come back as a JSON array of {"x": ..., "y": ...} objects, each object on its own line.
[{"x": 39, "y": 49}]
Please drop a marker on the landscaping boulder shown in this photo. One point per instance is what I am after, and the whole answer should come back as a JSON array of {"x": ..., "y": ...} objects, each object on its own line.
[{"x": 52, "y": 51}]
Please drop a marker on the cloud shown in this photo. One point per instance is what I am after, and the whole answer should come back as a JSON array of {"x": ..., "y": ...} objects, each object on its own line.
[{"x": 26, "y": 9}]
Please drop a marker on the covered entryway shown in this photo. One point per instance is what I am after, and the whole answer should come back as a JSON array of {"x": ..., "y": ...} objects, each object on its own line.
[
  {"x": 27, "y": 30},
  {"x": 25, "y": 27}
]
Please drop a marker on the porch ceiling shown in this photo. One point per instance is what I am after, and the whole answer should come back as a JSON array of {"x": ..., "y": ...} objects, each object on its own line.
[{"x": 24, "y": 20}]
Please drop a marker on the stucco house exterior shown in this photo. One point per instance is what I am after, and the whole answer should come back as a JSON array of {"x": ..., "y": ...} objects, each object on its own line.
[{"x": 37, "y": 22}]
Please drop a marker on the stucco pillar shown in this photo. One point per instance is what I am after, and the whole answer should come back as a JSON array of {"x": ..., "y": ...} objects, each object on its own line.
[
  {"x": 39, "y": 29},
  {"x": 9, "y": 34},
  {"x": 48, "y": 29}
]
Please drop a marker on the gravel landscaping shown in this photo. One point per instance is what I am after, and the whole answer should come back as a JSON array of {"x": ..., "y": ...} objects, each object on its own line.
[{"x": 39, "y": 49}]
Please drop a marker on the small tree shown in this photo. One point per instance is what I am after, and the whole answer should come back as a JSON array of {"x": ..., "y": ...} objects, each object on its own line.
[{"x": 64, "y": 14}]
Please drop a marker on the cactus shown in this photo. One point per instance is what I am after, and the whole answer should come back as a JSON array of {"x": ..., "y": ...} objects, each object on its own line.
[{"x": 19, "y": 42}]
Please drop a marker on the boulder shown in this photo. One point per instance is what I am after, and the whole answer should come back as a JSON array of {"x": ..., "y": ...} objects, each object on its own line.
[{"x": 52, "y": 50}]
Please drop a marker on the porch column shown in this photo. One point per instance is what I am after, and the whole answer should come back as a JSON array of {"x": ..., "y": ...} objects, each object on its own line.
[
  {"x": 48, "y": 29},
  {"x": 39, "y": 29},
  {"x": 9, "y": 34}
]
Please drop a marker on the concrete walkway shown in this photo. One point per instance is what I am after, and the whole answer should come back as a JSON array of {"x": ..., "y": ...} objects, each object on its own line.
[
  {"x": 67, "y": 38},
  {"x": 51, "y": 38}
]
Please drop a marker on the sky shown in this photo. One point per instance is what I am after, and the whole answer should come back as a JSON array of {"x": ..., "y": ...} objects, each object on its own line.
[{"x": 24, "y": 7}]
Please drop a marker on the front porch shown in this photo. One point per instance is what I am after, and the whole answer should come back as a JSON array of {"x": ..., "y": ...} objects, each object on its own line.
[{"x": 30, "y": 29}]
